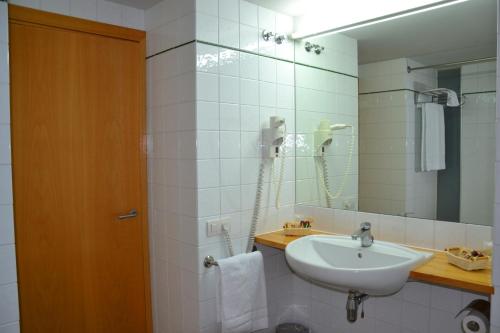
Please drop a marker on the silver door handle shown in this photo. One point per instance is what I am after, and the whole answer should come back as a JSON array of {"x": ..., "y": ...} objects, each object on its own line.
[{"x": 129, "y": 215}]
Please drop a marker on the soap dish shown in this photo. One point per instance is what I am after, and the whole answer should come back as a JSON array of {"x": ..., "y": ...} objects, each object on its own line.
[{"x": 467, "y": 259}]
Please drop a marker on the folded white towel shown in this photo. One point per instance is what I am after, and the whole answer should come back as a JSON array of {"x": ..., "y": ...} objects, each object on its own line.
[
  {"x": 433, "y": 141},
  {"x": 241, "y": 296},
  {"x": 452, "y": 98}
]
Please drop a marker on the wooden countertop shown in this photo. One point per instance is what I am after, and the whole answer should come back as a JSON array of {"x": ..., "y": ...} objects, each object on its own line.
[{"x": 435, "y": 271}]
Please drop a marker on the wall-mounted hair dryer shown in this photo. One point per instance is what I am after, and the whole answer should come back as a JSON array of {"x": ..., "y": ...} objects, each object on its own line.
[
  {"x": 273, "y": 137},
  {"x": 323, "y": 136}
]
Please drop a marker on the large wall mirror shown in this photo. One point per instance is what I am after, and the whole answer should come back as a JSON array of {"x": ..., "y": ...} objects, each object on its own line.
[{"x": 398, "y": 117}]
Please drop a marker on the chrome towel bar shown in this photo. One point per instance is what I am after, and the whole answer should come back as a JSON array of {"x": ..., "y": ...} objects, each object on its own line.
[{"x": 209, "y": 261}]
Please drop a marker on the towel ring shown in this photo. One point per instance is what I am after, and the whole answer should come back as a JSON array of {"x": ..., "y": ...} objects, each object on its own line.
[{"x": 210, "y": 261}]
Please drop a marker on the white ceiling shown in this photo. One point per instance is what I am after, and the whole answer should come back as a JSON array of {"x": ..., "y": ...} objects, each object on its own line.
[{"x": 459, "y": 32}]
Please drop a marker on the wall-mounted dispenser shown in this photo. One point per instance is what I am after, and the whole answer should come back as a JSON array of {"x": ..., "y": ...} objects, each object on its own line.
[
  {"x": 323, "y": 138},
  {"x": 273, "y": 137}
]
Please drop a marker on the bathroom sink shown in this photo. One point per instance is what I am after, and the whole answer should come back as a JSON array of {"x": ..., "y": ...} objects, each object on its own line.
[{"x": 342, "y": 263}]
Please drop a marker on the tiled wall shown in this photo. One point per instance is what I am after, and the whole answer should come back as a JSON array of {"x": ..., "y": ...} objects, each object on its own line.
[
  {"x": 9, "y": 313},
  {"x": 207, "y": 106},
  {"x": 478, "y": 143},
  {"x": 170, "y": 23},
  {"x": 96, "y": 10},
  {"x": 238, "y": 89},
  {"x": 389, "y": 183},
  {"x": 325, "y": 95},
  {"x": 172, "y": 189}
]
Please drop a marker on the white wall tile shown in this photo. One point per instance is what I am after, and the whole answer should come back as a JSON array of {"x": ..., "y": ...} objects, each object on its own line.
[
  {"x": 267, "y": 94},
  {"x": 229, "y": 89},
  {"x": 8, "y": 303},
  {"x": 10, "y": 328},
  {"x": 392, "y": 228},
  {"x": 207, "y": 87},
  {"x": 249, "y": 90},
  {"x": 207, "y": 144},
  {"x": 477, "y": 235},
  {"x": 210, "y": 7},
  {"x": 6, "y": 188},
  {"x": 207, "y": 28},
  {"x": 132, "y": 18},
  {"x": 249, "y": 116},
  {"x": 285, "y": 97},
  {"x": 343, "y": 222},
  {"x": 8, "y": 264},
  {"x": 86, "y": 9},
  {"x": 4, "y": 103},
  {"x": 27, "y": 3},
  {"x": 416, "y": 292},
  {"x": 229, "y": 62},
  {"x": 109, "y": 12},
  {"x": 230, "y": 199},
  {"x": 4, "y": 144},
  {"x": 229, "y": 9},
  {"x": 420, "y": 232},
  {"x": 229, "y": 116},
  {"x": 208, "y": 173},
  {"x": 446, "y": 299},
  {"x": 248, "y": 13},
  {"x": 207, "y": 58},
  {"x": 6, "y": 225},
  {"x": 56, "y": 6},
  {"x": 230, "y": 144},
  {"x": 230, "y": 171},
  {"x": 207, "y": 115},
  {"x": 267, "y": 69},
  {"x": 249, "y": 66},
  {"x": 249, "y": 38},
  {"x": 229, "y": 33},
  {"x": 4, "y": 28},
  {"x": 285, "y": 73},
  {"x": 448, "y": 234},
  {"x": 267, "y": 19},
  {"x": 208, "y": 202},
  {"x": 4, "y": 63}
]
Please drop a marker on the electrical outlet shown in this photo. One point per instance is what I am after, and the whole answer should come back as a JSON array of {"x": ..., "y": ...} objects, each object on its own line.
[{"x": 214, "y": 227}]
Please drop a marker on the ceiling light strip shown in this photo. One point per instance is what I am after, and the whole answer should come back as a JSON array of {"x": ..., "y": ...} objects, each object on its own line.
[{"x": 393, "y": 16}]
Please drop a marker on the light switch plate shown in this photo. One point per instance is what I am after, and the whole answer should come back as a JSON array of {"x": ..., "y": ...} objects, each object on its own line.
[{"x": 214, "y": 227}]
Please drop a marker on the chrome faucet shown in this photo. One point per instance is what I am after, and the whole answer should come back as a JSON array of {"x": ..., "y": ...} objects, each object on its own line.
[{"x": 365, "y": 234}]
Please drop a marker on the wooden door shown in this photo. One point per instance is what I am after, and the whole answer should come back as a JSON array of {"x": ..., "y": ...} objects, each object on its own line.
[{"x": 78, "y": 128}]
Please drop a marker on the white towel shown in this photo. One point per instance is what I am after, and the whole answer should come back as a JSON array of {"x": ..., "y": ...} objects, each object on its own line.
[
  {"x": 241, "y": 296},
  {"x": 432, "y": 147},
  {"x": 452, "y": 98}
]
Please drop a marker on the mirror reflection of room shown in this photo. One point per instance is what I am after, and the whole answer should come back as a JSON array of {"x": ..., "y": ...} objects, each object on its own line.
[{"x": 425, "y": 114}]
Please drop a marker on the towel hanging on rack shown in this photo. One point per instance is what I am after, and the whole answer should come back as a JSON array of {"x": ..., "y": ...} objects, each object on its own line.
[
  {"x": 451, "y": 96},
  {"x": 432, "y": 154}
]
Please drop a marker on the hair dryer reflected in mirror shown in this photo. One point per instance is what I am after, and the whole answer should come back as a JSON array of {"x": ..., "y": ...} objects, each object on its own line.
[{"x": 323, "y": 138}]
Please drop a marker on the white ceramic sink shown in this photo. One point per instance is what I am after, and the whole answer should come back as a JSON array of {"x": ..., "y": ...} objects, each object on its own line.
[{"x": 341, "y": 263}]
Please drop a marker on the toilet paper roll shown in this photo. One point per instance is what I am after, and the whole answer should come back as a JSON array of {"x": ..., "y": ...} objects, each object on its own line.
[{"x": 475, "y": 322}]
